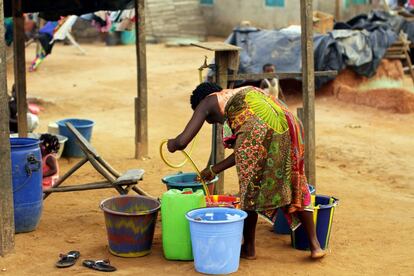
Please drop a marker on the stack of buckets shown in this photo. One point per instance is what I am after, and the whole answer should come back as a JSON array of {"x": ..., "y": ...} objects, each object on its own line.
[{"x": 210, "y": 236}]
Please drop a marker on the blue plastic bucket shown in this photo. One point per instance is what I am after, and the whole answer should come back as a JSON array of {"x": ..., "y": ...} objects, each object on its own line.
[
  {"x": 281, "y": 226},
  {"x": 128, "y": 37},
  {"x": 26, "y": 161},
  {"x": 216, "y": 236},
  {"x": 72, "y": 149},
  {"x": 323, "y": 215},
  {"x": 180, "y": 181}
]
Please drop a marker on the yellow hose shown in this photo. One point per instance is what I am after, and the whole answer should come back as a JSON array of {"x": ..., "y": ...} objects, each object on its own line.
[{"x": 187, "y": 158}]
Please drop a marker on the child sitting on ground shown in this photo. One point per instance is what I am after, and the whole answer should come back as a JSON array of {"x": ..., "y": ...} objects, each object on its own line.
[{"x": 49, "y": 145}]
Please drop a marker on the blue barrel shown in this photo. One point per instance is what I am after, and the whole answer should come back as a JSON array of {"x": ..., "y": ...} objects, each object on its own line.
[
  {"x": 323, "y": 216},
  {"x": 72, "y": 149},
  {"x": 216, "y": 236},
  {"x": 26, "y": 162},
  {"x": 281, "y": 226}
]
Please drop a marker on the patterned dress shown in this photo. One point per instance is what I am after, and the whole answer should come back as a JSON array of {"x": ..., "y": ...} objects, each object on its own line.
[{"x": 269, "y": 153}]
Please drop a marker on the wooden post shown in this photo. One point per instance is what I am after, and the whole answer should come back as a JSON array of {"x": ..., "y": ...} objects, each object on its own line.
[
  {"x": 308, "y": 89},
  {"x": 6, "y": 192},
  {"x": 222, "y": 65},
  {"x": 226, "y": 57},
  {"x": 20, "y": 66},
  {"x": 386, "y": 6},
  {"x": 338, "y": 4},
  {"x": 299, "y": 112},
  {"x": 141, "y": 101}
]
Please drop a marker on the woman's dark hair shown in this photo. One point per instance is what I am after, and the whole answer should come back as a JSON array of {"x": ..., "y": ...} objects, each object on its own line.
[
  {"x": 203, "y": 90},
  {"x": 51, "y": 142}
]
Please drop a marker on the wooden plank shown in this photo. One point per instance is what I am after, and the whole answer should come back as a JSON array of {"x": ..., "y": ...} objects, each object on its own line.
[
  {"x": 141, "y": 101},
  {"x": 6, "y": 192},
  {"x": 66, "y": 175},
  {"x": 308, "y": 88},
  {"x": 387, "y": 56},
  {"x": 396, "y": 48},
  {"x": 129, "y": 177},
  {"x": 20, "y": 66},
  {"x": 410, "y": 65},
  {"x": 338, "y": 4},
  {"x": 404, "y": 39},
  {"x": 299, "y": 112},
  {"x": 279, "y": 75},
  {"x": 83, "y": 187},
  {"x": 142, "y": 192},
  {"x": 222, "y": 64},
  {"x": 216, "y": 46},
  {"x": 407, "y": 69},
  {"x": 82, "y": 142}
]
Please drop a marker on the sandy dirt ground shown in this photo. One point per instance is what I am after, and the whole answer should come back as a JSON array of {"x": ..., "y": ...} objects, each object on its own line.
[{"x": 365, "y": 157}]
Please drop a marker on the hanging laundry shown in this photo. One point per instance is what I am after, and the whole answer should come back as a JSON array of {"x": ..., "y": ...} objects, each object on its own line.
[{"x": 123, "y": 20}]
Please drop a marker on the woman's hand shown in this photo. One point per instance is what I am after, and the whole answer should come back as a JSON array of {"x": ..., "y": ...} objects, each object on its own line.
[
  {"x": 207, "y": 174},
  {"x": 172, "y": 145}
]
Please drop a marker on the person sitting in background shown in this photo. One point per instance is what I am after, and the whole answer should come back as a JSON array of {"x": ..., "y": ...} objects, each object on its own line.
[
  {"x": 49, "y": 146},
  {"x": 32, "y": 119},
  {"x": 13, "y": 111},
  {"x": 271, "y": 86}
]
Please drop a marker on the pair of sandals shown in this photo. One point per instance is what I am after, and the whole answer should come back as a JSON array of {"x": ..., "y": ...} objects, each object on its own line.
[{"x": 69, "y": 259}]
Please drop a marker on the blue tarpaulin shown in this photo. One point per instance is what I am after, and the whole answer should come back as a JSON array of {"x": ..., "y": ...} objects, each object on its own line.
[{"x": 359, "y": 50}]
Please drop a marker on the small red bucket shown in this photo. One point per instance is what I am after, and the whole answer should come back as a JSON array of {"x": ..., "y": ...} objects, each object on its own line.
[{"x": 223, "y": 201}]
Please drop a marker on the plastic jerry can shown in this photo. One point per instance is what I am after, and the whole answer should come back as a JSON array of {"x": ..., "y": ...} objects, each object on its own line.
[{"x": 176, "y": 239}]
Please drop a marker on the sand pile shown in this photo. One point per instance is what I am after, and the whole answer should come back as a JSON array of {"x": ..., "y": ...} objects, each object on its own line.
[{"x": 352, "y": 88}]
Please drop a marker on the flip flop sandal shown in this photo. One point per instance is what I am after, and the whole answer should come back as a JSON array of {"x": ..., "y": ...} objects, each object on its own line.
[
  {"x": 100, "y": 265},
  {"x": 67, "y": 260}
]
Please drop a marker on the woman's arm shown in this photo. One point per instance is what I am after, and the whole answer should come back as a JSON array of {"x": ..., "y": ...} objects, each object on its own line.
[
  {"x": 192, "y": 128},
  {"x": 51, "y": 162},
  {"x": 210, "y": 172},
  {"x": 229, "y": 162}
]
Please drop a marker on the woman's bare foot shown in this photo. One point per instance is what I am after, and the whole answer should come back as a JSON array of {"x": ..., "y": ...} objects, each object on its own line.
[
  {"x": 318, "y": 253},
  {"x": 248, "y": 253}
]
